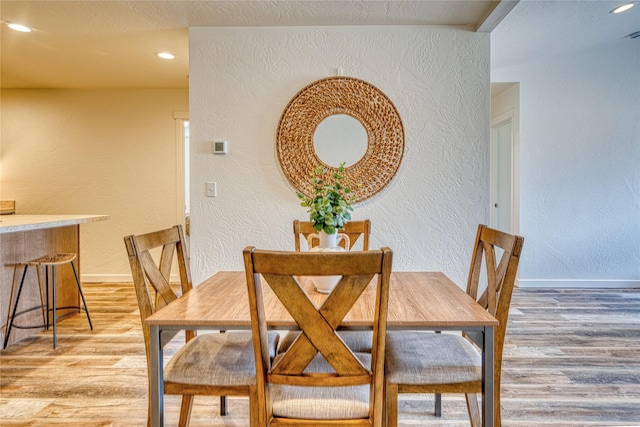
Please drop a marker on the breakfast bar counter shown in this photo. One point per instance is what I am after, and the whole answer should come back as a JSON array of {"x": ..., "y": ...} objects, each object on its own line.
[{"x": 27, "y": 237}]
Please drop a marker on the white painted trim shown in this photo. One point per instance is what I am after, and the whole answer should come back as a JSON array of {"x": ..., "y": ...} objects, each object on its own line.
[
  {"x": 116, "y": 278},
  {"x": 106, "y": 278},
  {"x": 490, "y": 21},
  {"x": 570, "y": 283},
  {"x": 514, "y": 112},
  {"x": 508, "y": 116},
  {"x": 180, "y": 117}
]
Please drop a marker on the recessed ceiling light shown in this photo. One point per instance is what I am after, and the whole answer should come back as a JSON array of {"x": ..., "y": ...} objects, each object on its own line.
[
  {"x": 19, "y": 27},
  {"x": 622, "y": 8},
  {"x": 165, "y": 55}
]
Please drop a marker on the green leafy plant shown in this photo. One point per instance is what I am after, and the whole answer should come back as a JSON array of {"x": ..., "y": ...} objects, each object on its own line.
[{"x": 329, "y": 206}]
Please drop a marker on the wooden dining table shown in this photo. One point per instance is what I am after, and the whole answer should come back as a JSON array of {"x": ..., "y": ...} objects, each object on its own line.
[{"x": 428, "y": 301}]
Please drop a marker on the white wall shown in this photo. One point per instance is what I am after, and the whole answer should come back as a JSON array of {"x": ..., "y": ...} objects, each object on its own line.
[
  {"x": 241, "y": 79},
  {"x": 580, "y": 167},
  {"x": 93, "y": 152}
]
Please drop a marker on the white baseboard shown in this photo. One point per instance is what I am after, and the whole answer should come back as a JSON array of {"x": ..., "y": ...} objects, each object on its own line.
[
  {"x": 523, "y": 283},
  {"x": 115, "y": 278},
  {"x": 106, "y": 278},
  {"x": 550, "y": 283}
]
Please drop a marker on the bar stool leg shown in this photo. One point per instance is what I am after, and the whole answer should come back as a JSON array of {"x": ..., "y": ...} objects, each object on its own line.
[
  {"x": 15, "y": 307},
  {"x": 46, "y": 287},
  {"x": 53, "y": 294},
  {"x": 43, "y": 304},
  {"x": 84, "y": 304}
]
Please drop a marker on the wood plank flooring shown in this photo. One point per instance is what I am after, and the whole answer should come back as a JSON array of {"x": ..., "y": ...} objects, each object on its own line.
[{"x": 572, "y": 358}]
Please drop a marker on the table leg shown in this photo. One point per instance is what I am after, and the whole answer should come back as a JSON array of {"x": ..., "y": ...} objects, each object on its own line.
[
  {"x": 487, "y": 380},
  {"x": 156, "y": 386}
]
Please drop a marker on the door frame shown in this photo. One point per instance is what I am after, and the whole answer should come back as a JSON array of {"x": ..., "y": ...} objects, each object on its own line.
[
  {"x": 509, "y": 115},
  {"x": 180, "y": 117}
]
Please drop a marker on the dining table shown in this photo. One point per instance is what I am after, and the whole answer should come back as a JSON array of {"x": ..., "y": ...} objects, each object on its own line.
[{"x": 425, "y": 301}]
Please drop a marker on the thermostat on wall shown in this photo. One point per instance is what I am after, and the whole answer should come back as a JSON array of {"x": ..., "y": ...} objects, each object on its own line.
[{"x": 220, "y": 147}]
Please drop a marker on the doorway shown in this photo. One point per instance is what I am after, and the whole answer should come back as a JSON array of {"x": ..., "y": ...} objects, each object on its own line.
[
  {"x": 182, "y": 173},
  {"x": 501, "y": 173},
  {"x": 504, "y": 157}
]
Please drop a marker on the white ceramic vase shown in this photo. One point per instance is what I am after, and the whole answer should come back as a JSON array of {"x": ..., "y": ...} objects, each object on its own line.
[{"x": 328, "y": 243}]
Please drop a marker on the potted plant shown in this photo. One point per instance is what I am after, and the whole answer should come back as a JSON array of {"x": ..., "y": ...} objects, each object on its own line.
[{"x": 329, "y": 206}]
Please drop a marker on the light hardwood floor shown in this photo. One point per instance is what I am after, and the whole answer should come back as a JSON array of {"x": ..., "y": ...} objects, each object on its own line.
[{"x": 572, "y": 359}]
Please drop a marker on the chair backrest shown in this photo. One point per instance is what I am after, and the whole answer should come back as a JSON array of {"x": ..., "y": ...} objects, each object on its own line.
[
  {"x": 500, "y": 280},
  {"x": 354, "y": 229},
  {"x": 318, "y": 338},
  {"x": 151, "y": 277}
]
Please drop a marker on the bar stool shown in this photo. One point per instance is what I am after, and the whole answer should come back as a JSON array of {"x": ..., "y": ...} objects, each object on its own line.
[{"x": 49, "y": 263}]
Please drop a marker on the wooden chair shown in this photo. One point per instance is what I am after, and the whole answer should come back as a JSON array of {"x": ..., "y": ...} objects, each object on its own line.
[
  {"x": 359, "y": 341},
  {"x": 319, "y": 380},
  {"x": 208, "y": 364},
  {"x": 422, "y": 362},
  {"x": 354, "y": 229}
]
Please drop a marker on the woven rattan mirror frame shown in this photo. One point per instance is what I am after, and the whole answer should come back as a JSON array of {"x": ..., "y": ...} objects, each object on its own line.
[{"x": 341, "y": 95}]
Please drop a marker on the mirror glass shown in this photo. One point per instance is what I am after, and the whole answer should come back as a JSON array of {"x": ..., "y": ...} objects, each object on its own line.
[{"x": 340, "y": 138}]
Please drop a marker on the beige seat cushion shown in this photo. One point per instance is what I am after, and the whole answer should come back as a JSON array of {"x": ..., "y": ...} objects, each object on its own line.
[
  {"x": 217, "y": 359},
  {"x": 322, "y": 402},
  {"x": 429, "y": 358},
  {"x": 357, "y": 341}
]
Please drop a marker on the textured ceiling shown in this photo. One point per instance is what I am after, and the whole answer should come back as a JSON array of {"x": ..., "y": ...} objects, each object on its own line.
[
  {"x": 538, "y": 29},
  {"x": 111, "y": 44},
  {"x": 98, "y": 44}
]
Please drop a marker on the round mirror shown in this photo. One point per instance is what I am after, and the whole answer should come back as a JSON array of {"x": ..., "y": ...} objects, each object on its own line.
[
  {"x": 340, "y": 138},
  {"x": 346, "y": 107}
]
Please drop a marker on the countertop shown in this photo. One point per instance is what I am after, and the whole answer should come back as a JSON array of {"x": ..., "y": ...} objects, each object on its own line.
[{"x": 16, "y": 223}]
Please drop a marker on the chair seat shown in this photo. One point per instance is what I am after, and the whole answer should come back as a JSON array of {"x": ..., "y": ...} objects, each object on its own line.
[
  {"x": 322, "y": 403},
  {"x": 233, "y": 355},
  {"x": 357, "y": 341},
  {"x": 56, "y": 259},
  {"x": 429, "y": 358}
]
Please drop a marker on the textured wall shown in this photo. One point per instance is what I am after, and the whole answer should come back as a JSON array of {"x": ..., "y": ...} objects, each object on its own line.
[
  {"x": 242, "y": 78},
  {"x": 94, "y": 152},
  {"x": 580, "y": 167}
]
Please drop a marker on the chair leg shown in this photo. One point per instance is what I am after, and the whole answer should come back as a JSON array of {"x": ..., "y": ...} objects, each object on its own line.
[
  {"x": 384, "y": 422},
  {"x": 392, "y": 405},
  {"x": 474, "y": 410},
  {"x": 254, "y": 409},
  {"x": 224, "y": 406},
  {"x": 438, "y": 397},
  {"x": 185, "y": 410},
  {"x": 149, "y": 410},
  {"x": 84, "y": 304}
]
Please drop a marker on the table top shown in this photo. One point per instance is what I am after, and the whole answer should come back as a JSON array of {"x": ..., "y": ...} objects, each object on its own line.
[
  {"x": 15, "y": 223},
  {"x": 417, "y": 300}
]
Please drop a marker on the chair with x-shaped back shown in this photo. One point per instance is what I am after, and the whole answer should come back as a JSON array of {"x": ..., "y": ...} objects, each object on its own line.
[
  {"x": 353, "y": 229},
  {"x": 423, "y": 362},
  {"x": 358, "y": 340},
  {"x": 319, "y": 380},
  {"x": 208, "y": 364}
]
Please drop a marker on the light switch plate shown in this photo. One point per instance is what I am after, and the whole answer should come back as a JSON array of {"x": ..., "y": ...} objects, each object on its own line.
[{"x": 212, "y": 189}]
